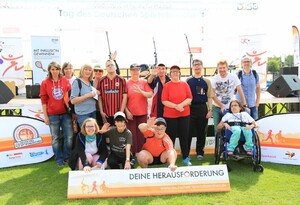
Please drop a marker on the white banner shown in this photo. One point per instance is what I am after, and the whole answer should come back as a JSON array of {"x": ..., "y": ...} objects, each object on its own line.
[
  {"x": 280, "y": 138},
  {"x": 251, "y": 46},
  {"x": 45, "y": 49},
  {"x": 25, "y": 141},
  {"x": 11, "y": 62},
  {"x": 147, "y": 182}
]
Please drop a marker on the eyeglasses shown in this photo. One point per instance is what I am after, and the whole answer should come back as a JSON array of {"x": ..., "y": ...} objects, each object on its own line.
[
  {"x": 89, "y": 126},
  {"x": 197, "y": 64},
  {"x": 235, "y": 105},
  {"x": 160, "y": 129},
  {"x": 246, "y": 61},
  {"x": 175, "y": 71}
]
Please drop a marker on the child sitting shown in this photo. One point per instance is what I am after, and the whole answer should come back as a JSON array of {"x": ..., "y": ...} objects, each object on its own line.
[{"x": 237, "y": 120}]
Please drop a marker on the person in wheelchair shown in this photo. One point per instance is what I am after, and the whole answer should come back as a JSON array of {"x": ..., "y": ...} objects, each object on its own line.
[{"x": 237, "y": 120}]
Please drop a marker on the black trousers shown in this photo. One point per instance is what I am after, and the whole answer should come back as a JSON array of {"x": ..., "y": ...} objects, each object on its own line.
[
  {"x": 179, "y": 127},
  {"x": 198, "y": 126}
]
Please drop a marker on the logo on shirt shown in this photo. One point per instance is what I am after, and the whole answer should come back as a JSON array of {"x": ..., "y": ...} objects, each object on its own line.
[{"x": 57, "y": 93}]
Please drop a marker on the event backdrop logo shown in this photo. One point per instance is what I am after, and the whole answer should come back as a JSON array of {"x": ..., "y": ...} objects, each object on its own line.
[
  {"x": 290, "y": 154},
  {"x": 26, "y": 135}
]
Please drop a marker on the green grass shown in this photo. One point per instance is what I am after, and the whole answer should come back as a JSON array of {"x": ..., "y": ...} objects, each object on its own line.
[{"x": 45, "y": 183}]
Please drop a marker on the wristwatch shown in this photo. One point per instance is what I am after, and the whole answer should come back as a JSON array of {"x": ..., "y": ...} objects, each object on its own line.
[
  {"x": 128, "y": 159},
  {"x": 245, "y": 105}
]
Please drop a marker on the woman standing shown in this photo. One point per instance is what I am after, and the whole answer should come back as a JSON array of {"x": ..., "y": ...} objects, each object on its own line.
[
  {"x": 137, "y": 106},
  {"x": 67, "y": 71},
  {"x": 83, "y": 95},
  {"x": 177, "y": 97},
  {"x": 52, "y": 92}
]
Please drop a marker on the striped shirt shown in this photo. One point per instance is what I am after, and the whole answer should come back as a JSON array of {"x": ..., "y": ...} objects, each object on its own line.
[{"x": 111, "y": 92}]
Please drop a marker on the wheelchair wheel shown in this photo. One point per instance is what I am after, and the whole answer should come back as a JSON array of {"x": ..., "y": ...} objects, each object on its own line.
[
  {"x": 258, "y": 168},
  {"x": 218, "y": 145},
  {"x": 257, "y": 150}
]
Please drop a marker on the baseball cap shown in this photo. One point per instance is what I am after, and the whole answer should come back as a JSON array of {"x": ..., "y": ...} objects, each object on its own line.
[
  {"x": 161, "y": 121},
  {"x": 98, "y": 67},
  {"x": 175, "y": 67},
  {"x": 135, "y": 65},
  {"x": 117, "y": 114}
]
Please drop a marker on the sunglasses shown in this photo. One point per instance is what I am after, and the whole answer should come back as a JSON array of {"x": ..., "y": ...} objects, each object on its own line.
[{"x": 96, "y": 70}]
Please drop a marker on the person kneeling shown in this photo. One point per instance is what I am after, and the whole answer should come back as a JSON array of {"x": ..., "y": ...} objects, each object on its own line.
[
  {"x": 158, "y": 148},
  {"x": 90, "y": 148}
]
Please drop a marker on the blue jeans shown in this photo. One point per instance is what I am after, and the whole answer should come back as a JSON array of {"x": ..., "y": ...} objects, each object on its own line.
[
  {"x": 254, "y": 112},
  {"x": 82, "y": 118},
  {"x": 64, "y": 122},
  {"x": 217, "y": 116}
]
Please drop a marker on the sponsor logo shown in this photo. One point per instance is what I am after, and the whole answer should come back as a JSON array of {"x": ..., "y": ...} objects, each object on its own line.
[
  {"x": 290, "y": 154},
  {"x": 18, "y": 155},
  {"x": 38, "y": 154},
  {"x": 26, "y": 135}
]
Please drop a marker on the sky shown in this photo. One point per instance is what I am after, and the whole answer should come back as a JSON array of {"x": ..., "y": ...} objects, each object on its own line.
[{"x": 134, "y": 26}]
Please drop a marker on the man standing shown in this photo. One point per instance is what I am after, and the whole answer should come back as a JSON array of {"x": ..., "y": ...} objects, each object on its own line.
[
  {"x": 156, "y": 81},
  {"x": 201, "y": 107},
  {"x": 224, "y": 84},
  {"x": 113, "y": 93},
  {"x": 250, "y": 84}
]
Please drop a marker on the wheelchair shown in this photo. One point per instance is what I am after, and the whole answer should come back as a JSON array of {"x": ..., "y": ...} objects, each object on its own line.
[{"x": 221, "y": 152}]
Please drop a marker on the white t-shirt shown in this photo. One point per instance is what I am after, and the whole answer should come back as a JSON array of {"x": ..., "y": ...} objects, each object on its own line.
[
  {"x": 237, "y": 117},
  {"x": 224, "y": 88}
]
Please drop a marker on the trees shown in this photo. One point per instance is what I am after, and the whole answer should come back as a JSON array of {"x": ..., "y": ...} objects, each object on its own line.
[{"x": 274, "y": 63}]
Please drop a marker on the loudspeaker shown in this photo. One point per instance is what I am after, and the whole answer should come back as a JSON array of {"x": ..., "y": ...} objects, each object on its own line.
[
  {"x": 284, "y": 86},
  {"x": 5, "y": 93},
  {"x": 289, "y": 71},
  {"x": 33, "y": 91}
]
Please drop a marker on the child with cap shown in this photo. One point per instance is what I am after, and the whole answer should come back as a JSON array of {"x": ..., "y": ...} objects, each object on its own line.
[
  {"x": 158, "y": 148},
  {"x": 119, "y": 139}
]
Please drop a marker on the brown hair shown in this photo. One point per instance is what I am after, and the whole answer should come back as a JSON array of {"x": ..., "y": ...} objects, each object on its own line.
[
  {"x": 54, "y": 64},
  {"x": 239, "y": 103}
]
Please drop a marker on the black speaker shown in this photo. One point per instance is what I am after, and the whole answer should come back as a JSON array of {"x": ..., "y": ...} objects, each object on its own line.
[
  {"x": 33, "y": 91},
  {"x": 5, "y": 93},
  {"x": 289, "y": 71},
  {"x": 284, "y": 86}
]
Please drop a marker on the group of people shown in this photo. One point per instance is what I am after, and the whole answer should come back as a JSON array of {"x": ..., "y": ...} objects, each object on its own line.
[{"x": 180, "y": 109}]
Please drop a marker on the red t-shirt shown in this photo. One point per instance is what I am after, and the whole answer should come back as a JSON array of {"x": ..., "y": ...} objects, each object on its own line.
[
  {"x": 176, "y": 92},
  {"x": 136, "y": 102},
  {"x": 156, "y": 146}
]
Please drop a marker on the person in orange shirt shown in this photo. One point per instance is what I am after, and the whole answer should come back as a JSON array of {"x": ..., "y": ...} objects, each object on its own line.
[{"x": 158, "y": 148}]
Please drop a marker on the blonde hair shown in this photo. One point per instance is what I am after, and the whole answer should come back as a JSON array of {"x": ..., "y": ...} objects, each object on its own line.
[
  {"x": 97, "y": 129},
  {"x": 222, "y": 62},
  {"x": 82, "y": 69}
]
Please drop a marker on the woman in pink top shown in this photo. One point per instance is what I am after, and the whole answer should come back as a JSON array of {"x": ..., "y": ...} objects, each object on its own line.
[
  {"x": 177, "y": 97},
  {"x": 137, "y": 106}
]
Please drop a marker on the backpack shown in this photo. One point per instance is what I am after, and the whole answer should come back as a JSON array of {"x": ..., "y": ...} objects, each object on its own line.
[
  {"x": 240, "y": 76},
  {"x": 79, "y": 86}
]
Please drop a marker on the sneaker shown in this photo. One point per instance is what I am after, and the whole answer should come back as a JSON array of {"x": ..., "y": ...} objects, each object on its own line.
[
  {"x": 60, "y": 163},
  {"x": 230, "y": 153},
  {"x": 199, "y": 157},
  {"x": 187, "y": 161}
]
